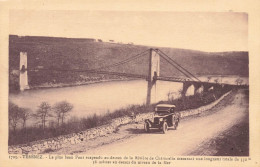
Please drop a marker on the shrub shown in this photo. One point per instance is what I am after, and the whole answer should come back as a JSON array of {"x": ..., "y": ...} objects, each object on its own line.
[{"x": 75, "y": 125}]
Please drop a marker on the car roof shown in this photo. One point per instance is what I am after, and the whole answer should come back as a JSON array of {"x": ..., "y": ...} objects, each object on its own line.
[{"x": 165, "y": 105}]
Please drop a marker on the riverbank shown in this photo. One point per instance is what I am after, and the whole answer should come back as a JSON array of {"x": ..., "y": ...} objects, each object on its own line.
[
  {"x": 233, "y": 141},
  {"x": 192, "y": 134},
  {"x": 81, "y": 124},
  {"x": 87, "y": 136},
  {"x": 62, "y": 85}
]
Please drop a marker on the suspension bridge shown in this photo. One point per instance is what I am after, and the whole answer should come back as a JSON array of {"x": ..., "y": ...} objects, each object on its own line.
[{"x": 152, "y": 75}]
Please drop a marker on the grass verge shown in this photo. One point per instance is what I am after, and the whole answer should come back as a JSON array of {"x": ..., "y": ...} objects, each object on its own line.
[{"x": 74, "y": 125}]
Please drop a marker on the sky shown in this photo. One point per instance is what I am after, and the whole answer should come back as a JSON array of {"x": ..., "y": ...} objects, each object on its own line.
[{"x": 205, "y": 31}]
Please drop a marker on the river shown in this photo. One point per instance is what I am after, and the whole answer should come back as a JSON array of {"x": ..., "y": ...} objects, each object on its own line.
[{"x": 100, "y": 97}]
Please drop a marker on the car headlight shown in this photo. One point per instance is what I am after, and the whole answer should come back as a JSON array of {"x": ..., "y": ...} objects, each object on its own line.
[{"x": 161, "y": 119}]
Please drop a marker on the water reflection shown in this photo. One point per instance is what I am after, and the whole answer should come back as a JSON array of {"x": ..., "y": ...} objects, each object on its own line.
[
  {"x": 100, "y": 97},
  {"x": 96, "y": 98}
]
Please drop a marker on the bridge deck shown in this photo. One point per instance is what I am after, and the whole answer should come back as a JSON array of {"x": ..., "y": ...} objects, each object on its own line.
[{"x": 161, "y": 78}]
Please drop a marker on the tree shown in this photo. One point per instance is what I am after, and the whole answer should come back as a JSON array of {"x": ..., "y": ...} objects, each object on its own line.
[
  {"x": 216, "y": 80},
  {"x": 61, "y": 110},
  {"x": 169, "y": 94},
  {"x": 183, "y": 97},
  {"x": 14, "y": 115},
  {"x": 239, "y": 81},
  {"x": 172, "y": 98},
  {"x": 180, "y": 92},
  {"x": 25, "y": 114},
  {"x": 209, "y": 78},
  {"x": 43, "y": 112},
  {"x": 57, "y": 112}
]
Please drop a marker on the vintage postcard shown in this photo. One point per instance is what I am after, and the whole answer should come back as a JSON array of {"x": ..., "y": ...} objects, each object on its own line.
[{"x": 104, "y": 86}]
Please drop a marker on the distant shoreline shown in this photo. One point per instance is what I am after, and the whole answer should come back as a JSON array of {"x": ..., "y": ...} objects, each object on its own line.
[
  {"x": 62, "y": 85},
  {"x": 219, "y": 75}
]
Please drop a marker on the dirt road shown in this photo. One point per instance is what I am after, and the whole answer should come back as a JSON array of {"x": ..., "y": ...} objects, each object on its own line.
[{"x": 190, "y": 136}]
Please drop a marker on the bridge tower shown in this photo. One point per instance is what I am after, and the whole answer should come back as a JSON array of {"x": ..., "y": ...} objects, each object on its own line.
[
  {"x": 23, "y": 81},
  {"x": 153, "y": 73}
]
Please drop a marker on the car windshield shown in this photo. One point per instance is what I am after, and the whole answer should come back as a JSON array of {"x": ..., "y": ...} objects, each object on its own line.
[{"x": 163, "y": 108}]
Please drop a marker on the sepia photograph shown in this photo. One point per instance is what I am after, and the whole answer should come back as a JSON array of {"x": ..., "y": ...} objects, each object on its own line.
[
  {"x": 129, "y": 83},
  {"x": 143, "y": 83}
]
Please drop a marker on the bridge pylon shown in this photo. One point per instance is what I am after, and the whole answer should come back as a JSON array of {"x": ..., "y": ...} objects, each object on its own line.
[
  {"x": 23, "y": 79},
  {"x": 153, "y": 73}
]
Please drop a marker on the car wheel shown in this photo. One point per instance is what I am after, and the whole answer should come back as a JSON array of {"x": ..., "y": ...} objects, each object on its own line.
[
  {"x": 173, "y": 120},
  {"x": 146, "y": 127},
  {"x": 165, "y": 127},
  {"x": 176, "y": 123}
]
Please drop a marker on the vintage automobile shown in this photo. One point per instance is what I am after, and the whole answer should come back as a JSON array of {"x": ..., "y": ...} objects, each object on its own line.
[{"x": 165, "y": 116}]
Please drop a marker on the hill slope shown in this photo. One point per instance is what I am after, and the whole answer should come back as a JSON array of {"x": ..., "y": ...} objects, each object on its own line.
[{"x": 68, "y": 53}]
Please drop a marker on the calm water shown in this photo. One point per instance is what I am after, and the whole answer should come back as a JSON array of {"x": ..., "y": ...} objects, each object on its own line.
[
  {"x": 101, "y": 97},
  {"x": 95, "y": 98}
]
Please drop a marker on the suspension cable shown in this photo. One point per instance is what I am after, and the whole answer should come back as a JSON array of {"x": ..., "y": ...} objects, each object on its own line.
[
  {"x": 180, "y": 66},
  {"x": 175, "y": 66},
  {"x": 123, "y": 61}
]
